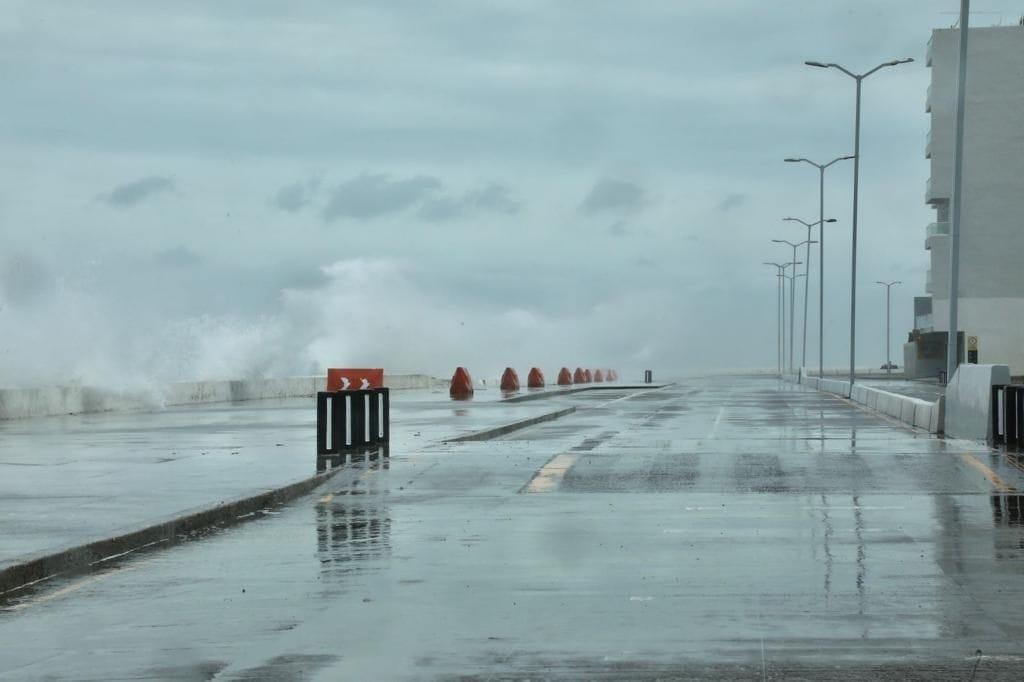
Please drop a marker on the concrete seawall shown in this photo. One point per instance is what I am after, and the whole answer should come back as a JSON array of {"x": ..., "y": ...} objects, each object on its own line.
[{"x": 21, "y": 403}]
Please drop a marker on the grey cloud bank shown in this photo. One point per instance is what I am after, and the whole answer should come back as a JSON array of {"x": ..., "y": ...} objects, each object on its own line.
[
  {"x": 551, "y": 169},
  {"x": 137, "y": 191}
]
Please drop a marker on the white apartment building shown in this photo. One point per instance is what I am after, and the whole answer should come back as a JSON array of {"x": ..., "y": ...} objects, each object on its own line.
[{"x": 992, "y": 221}]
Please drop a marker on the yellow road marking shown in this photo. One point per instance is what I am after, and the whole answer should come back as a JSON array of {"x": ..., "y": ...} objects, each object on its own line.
[
  {"x": 551, "y": 474},
  {"x": 999, "y": 484}
]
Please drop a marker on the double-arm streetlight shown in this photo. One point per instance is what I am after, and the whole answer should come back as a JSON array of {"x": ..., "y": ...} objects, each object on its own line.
[
  {"x": 856, "y": 175},
  {"x": 821, "y": 255},
  {"x": 792, "y": 291},
  {"x": 888, "y": 290},
  {"x": 807, "y": 281}
]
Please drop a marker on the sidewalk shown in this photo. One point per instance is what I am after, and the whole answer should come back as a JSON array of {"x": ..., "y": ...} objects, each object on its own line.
[{"x": 66, "y": 481}]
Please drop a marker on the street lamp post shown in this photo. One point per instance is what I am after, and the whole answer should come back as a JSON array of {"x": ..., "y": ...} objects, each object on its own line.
[
  {"x": 859, "y": 78},
  {"x": 780, "y": 268},
  {"x": 821, "y": 255},
  {"x": 807, "y": 281},
  {"x": 792, "y": 292},
  {"x": 888, "y": 290}
]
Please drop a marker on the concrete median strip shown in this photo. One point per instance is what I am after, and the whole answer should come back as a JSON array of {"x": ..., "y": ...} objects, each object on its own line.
[
  {"x": 498, "y": 431},
  {"x": 45, "y": 566}
]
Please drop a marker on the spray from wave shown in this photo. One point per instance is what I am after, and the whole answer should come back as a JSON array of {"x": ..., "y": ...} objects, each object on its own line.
[{"x": 365, "y": 313}]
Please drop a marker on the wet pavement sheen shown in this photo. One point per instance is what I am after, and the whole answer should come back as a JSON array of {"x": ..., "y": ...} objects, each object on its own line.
[{"x": 729, "y": 528}]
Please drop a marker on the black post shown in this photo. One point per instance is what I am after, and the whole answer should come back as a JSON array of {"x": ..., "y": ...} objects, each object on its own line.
[
  {"x": 374, "y": 398},
  {"x": 996, "y": 412},
  {"x": 358, "y": 418},
  {"x": 338, "y": 427},
  {"x": 321, "y": 423},
  {"x": 386, "y": 416}
]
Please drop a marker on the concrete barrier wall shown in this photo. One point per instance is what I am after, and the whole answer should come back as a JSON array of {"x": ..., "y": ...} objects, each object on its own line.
[
  {"x": 969, "y": 400},
  {"x": 20, "y": 403},
  {"x": 912, "y": 411}
]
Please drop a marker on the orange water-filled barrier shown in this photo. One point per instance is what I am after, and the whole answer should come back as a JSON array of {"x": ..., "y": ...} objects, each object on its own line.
[
  {"x": 578, "y": 377},
  {"x": 564, "y": 377},
  {"x": 587, "y": 376},
  {"x": 462, "y": 385},
  {"x": 598, "y": 376},
  {"x": 509, "y": 380},
  {"x": 535, "y": 378}
]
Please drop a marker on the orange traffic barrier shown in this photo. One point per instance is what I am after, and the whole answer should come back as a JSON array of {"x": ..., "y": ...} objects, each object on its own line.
[
  {"x": 340, "y": 379},
  {"x": 598, "y": 376},
  {"x": 509, "y": 380},
  {"x": 587, "y": 376},
  {"x": 564, "y": 377},
  {"x": 578, "y": 377},
  {"x": 536, "y": 378},
  {"x": 462, "y": 385}
]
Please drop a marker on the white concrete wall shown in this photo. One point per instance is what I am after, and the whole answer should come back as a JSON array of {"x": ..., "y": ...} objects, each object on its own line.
[
  {"x": 912, "y": 411},
  {"x": 19, "y": 403},
  {"x": 969, "y": 400}
]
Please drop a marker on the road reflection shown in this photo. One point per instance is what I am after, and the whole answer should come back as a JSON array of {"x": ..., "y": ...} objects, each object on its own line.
[{"x": 352, "y": 524}]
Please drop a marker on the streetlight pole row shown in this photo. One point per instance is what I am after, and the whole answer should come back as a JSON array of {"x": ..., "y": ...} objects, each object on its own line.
[
  {"x": 859, "y": 78},
  {"x": 821, "y": 258},
  {"x": 792, "y": 291},
  {"x": 807, "y": 274}
]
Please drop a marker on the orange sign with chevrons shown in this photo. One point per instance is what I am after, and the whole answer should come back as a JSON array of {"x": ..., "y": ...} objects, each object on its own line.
[{"x": 343, "y": 378}]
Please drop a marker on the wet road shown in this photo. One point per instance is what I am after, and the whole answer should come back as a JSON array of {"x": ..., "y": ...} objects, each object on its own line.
[
  {"x": 68, "y": 480},
  {"x": 727, "y": 528}
]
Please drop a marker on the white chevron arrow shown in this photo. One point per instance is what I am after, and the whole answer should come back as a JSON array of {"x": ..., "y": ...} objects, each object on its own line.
[{"x": 345, "y": 383}]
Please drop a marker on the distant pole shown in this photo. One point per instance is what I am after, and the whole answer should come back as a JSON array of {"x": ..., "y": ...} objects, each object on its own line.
[
  {"x": 856, "y": 186},
  {"x": 779, "y": 298},
  {"x": 952, "y": 350},
  {"x": 792, "y": 292},
  {"x": 821, "y": 255},
  {"x": 888, "y": 334}
]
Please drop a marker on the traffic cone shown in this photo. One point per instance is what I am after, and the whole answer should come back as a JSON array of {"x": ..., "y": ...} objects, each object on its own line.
[
  {"x": 598, "y": 376},
  {"x": 587, "y": 376},
  {"x": 564, "y": 377},
  {"x": 510, "y": 380},
  {"x": 535, "y": 379},
  {"x": 578, "y": 377},
  {"x": 462, "y": 385}
]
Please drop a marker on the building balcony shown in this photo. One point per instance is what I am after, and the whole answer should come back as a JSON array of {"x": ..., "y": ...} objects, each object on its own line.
[
  {"x": 934, "y": 230},
  {"x": 934, "y": 194}
]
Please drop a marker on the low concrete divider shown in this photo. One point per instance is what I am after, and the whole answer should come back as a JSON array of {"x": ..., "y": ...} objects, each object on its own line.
[
  {"x": 915, "y": 412},
  {"x": 21, "y": 403}
]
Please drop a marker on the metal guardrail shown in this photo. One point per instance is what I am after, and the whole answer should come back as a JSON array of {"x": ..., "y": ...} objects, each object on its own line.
[
  {"x": 1008, "y": 415},
  {"x": 351, "y": 421}
]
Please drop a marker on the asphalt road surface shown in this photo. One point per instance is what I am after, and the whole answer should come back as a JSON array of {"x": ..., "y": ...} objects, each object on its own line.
[{"x": 730, "y": 528}]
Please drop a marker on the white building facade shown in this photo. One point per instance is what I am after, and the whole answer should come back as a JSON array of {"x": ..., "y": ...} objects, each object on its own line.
[{"x": 992, "y": 221}]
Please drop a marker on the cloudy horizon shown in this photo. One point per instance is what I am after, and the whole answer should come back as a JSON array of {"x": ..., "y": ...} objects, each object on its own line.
[{"x": 203, "y": 190}]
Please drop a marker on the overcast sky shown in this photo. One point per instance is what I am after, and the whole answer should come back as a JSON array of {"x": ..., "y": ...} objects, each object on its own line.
[{"x": 220, "y": 189}]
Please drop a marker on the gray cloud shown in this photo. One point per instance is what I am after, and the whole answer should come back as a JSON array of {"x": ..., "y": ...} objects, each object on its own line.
[
  {"x": 731, "y": 201},
  {"x": 137, "y": 191},
  {"x": 371, "y": 195},
  {"x": 177, "y": 257},
  {"x": 613, "y": 195},
  {"x": 296, "y": 196},
  {"x": 494, "y": 198}
]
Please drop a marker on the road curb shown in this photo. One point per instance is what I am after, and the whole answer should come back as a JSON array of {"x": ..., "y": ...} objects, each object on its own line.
[
  {"x": 489, "y": 434},
  {"x": 43, "y": 567}
]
